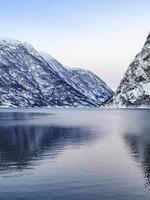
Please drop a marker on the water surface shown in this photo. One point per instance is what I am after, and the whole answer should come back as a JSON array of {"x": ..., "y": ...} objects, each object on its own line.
[{"x": 86, "y": 154}]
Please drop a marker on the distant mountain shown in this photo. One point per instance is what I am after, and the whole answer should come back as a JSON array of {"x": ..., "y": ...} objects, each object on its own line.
[
  {"x": 134, "y": 89},
  {"x": 84, "y": 81},
  {"x": 32, "y": 79}
]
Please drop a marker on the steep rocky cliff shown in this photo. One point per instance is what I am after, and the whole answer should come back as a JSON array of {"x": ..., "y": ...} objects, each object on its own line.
[{"x": 134, "y": 89}]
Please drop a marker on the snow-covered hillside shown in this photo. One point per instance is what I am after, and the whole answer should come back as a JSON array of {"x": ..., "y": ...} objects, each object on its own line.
[
  {"x": 84, "y": 81},
  {"x": 32, "y": 79},
  {"x": 134, "y": 89}
]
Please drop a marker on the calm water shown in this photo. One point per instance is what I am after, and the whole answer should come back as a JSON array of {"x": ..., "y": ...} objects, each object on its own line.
[{"x": 74, "y": 154}]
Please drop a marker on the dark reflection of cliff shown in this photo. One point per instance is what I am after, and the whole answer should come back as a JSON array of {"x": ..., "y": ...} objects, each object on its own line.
[
  {"x": 18, "y": 118},
  {"x": 139, "y": 147},
  {"x": 23, "y": 146}
]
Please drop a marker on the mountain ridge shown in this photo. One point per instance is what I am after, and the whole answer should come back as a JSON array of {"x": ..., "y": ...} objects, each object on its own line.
[
  {"x": 29, "y": 79},
  {"x": 134, "y": 88}
]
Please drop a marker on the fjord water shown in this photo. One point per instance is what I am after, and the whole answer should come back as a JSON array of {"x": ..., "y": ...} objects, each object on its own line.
[{"x": 80, "y": 154}]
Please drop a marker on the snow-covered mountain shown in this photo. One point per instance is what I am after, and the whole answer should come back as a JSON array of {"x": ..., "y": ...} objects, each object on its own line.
[
  {"x": 32, "y": 79},
  {"x": 134, "y": 89},
  {"x": 84, "y": 81}
]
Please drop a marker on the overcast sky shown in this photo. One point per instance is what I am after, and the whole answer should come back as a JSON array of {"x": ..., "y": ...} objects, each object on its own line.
[{"x": 100, "y": 35}]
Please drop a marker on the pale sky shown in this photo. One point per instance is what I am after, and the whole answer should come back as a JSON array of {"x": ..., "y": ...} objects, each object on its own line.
[{"x": 100, "y": 35}]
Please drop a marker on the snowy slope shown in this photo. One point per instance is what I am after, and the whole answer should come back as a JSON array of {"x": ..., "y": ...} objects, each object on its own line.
[
  {"x": 82, "y": 80},
  {"x": 27, "y": 79},
  {"x": 134, "y": 89}
]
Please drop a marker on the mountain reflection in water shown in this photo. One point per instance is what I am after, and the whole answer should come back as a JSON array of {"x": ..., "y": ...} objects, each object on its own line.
[
  {"x": 59, "y": 154},
  {"x": 23, "y": 146},
  {"x": 139, "y": 147}
]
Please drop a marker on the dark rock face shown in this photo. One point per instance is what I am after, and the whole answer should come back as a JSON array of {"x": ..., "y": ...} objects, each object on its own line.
[
  {"x": 28, "y": 79},
  {"x": 134, "y": 89}
]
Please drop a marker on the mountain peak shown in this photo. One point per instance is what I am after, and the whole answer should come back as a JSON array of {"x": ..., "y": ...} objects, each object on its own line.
[
  {"x": 31, "y": 79},
  {"x": 8, "y": 40}
]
